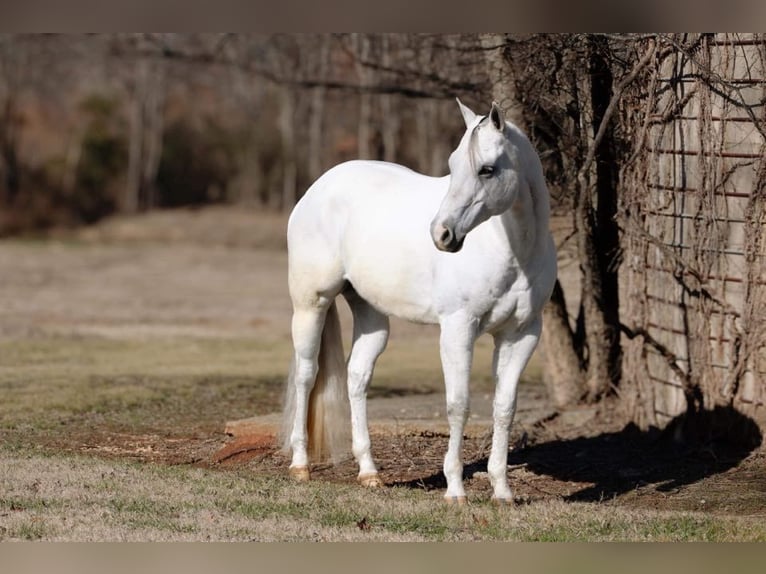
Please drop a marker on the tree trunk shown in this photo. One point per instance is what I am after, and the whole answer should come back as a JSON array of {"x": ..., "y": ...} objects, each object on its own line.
[
  {"x": 8, "y": 149},
  {"x": 599, "y": 236},
  {"x": 316, "y": 118},
  {"x": 132, "y": 193},
  {"x": 597, "y": 333},
  {"x": 501, "y": 76},
  {"x": 289, "y": 195},
  {"x": 146, "y": 131},
  {"x": 154, "y": 113},
  {"x": 563, "y": 364},
  {"x": 362, "y": 50},
  {"x": 390, "y": 123},
  {"x": 564, "y": 376}
]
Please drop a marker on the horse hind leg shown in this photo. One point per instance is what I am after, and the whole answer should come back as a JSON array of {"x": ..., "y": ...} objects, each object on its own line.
[
  {"x": 316, "y": 393},
  {"x": 307, "y": 325},
  {"x": 371, "y": 330}
]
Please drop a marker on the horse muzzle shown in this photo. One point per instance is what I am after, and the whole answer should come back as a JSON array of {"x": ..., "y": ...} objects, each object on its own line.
[{"x": 445, "y": 238}]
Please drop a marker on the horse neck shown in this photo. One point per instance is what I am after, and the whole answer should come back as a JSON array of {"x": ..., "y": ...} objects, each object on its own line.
[{"x": 524, "y": 226}]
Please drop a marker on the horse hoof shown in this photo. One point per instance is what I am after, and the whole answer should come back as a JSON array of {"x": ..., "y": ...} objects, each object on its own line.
[
  {"x": 371, "y": 480},
  {"x": 455, "y": 500},
  {"x": 502, "y": 501},
  {"x": 300, "y": 473}
]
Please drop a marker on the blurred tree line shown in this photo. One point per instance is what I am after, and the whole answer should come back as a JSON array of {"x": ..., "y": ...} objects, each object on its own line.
[{"x": 93, "y": 125}]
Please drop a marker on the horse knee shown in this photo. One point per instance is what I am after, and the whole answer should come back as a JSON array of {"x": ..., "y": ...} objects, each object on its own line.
[{"x": 457, "y": 407}]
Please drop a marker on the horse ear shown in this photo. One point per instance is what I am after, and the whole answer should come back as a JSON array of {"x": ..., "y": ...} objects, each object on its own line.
[
  {"x": 496, "y": 117},
  {"x": 468, "y": 115}
]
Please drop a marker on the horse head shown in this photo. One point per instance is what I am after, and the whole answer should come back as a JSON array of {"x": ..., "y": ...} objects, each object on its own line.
[{"x": 484, "y": 175}]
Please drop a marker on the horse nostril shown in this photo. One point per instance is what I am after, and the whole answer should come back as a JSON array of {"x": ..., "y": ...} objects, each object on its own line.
[{"x": 446, "y": 236}]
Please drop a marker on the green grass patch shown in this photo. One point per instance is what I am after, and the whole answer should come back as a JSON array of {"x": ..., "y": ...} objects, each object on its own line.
[{"x": 61, "y": 385}]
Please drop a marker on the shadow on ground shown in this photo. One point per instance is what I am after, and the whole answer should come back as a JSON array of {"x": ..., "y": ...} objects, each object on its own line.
[{"x": 690, "y": 449}]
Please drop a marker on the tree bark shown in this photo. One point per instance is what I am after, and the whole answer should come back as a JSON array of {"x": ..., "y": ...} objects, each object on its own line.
[
  {"x": 563, "y": 363},
  {"x": 564, "y": 375},
  {"x": 605, "y": 220},
  {"x": 501, "y": 76},
  {"x": 598, "y": 237},
  {"x": 597, "y": 333}
]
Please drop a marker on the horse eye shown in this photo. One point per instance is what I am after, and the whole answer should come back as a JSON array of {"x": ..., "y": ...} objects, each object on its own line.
[{"x": 486, "y": 171}]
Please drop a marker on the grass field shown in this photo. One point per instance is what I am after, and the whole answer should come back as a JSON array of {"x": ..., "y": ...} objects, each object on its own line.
[{"x": 123, "y": 354}]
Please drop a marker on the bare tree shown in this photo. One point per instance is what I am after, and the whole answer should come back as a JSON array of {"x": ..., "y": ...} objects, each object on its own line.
[
  {"x": 390, "y": 118},
  {"x": 361, "y": 49},
  {"x": 568, "y": 95},
  {"x": 320, "y": 57},
  {"x": 146, "y": 113},
  {"x": 11, "y": 66}
]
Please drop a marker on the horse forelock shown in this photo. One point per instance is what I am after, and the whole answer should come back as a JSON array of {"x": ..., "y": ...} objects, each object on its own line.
[
  {"x": 473, "y": 148},
  {"x": 472, "y": 151}
]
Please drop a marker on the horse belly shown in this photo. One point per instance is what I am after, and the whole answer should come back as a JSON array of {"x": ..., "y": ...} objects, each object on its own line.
[
  {"x": 390, "y": 266},
  {"x": 393, "y": 286}
]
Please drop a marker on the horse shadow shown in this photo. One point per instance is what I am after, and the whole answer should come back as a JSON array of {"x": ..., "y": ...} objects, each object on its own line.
[{"x": 689, "y": 449}]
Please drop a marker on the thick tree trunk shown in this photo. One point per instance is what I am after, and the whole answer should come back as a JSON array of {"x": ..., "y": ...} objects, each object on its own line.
[
  {"x": 564, "y": 376},
  {"x": 597, "y": 331},
  {"x": 563, "y": 362},
  {"x": 600, "y": 242}
]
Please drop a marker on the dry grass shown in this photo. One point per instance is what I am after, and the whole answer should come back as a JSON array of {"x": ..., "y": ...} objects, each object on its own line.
[{"x": 76, "y": 498}]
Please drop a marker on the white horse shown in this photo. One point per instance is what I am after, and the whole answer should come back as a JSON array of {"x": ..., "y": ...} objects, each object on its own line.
[{"x": 470, "y": 251}]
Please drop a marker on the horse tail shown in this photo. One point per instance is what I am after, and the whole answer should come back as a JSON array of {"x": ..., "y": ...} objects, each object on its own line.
[{"x": 328, "y": 411}]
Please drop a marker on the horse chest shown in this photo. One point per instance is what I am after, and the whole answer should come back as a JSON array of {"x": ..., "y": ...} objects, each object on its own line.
[{"x": 508, "y": 302}]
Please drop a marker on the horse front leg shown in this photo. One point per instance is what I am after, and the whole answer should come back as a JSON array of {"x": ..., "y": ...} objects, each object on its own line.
[
  {"x": 458, "y": 334},
  {"x": 513, "y": 349}
]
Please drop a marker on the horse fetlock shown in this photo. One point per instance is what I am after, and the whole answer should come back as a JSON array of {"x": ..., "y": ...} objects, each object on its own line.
[{"x": 363, "y": 458}]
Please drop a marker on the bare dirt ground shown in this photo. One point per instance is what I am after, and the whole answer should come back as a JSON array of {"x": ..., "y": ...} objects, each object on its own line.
[{"x": 222, "y": 272}]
